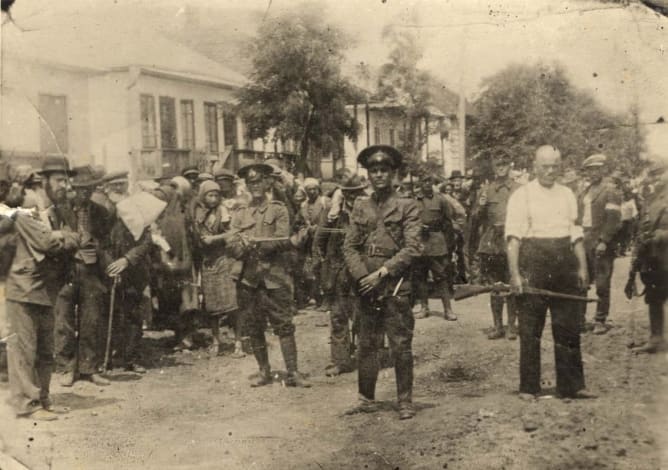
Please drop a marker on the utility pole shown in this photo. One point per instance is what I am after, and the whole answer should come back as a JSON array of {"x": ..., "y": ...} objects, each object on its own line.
[{"x": 461, "y": 117}]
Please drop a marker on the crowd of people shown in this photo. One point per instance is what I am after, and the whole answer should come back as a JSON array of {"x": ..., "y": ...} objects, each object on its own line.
[{"x": 89, "y": 264}]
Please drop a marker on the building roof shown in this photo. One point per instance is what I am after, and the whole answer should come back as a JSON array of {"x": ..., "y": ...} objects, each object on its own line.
[{"x": 106, "y": 47}]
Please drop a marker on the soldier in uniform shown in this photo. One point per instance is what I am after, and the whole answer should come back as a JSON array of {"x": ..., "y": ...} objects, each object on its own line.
[
  {"x": 265, "y": 286},
  {"x": 381, "y": 244},
  {"x": 491, "y": 213},
  {"x": 650, "y": 258},
  {"x": 436, "y": 217},
  {"x": 600, "y": 216},
  {"x": 329, "y": 238}
]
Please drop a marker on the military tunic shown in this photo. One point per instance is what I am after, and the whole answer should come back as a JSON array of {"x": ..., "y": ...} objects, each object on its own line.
[
  {"x": 436, "y": 216},
  {"x": 384, "y": 234}
]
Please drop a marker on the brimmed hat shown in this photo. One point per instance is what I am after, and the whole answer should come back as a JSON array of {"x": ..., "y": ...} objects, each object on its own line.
[
  {"x": 255, "y": 170},
  {"x": 456, "y": 174},
  {"x": 116, "y": 177},
  {"x": 56, "y": 165},
  {"x": 311, "y": 183},
  {"x": 380, "y": 154},
  {"x": 204, "y": 177},
  {"x": 354, "y": 183},
  {"x": 85, "y": 177},
  {"x": 595, "y": 160}
]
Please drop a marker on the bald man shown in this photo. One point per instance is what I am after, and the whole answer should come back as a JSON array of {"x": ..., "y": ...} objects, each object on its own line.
[{"x": 545, "y": 250}]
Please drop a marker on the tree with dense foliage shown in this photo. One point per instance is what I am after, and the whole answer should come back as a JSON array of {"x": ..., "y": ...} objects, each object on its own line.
[
  {"x": 296, "y": 87},
  {"x": 523, "y": 107},
  {"x": 402, "y": 83}
]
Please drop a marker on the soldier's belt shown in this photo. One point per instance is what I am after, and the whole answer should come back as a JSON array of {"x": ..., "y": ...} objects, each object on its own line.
[{"x": 379, "y": 251}]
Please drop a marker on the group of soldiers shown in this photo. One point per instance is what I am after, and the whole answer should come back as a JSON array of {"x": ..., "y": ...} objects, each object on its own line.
[{"x": 252, "y": 248}]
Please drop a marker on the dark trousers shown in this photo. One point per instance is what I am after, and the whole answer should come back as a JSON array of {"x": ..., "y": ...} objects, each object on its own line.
[
  {"x": 392, "y": 316},
  {"x": 600, "y": 273},
  {"x": 127, "y": 324},
  {"x": 29, "y": 354},
  {"x": 80, "y": 307},
  {"x": 549, "y": 264},
  {"x": 438, "y": 266},
  {"x": 344, "y": 312},
  {"x": 260, "y": 305}
]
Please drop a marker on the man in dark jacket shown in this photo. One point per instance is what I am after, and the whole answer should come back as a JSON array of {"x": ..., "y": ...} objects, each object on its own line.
[
  {"x": 381, "y": 244},
  {"x": 600, "y": 215}
]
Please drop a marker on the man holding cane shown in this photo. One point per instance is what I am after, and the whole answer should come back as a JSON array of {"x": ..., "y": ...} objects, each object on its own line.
[{"x": 545, "y": 250}]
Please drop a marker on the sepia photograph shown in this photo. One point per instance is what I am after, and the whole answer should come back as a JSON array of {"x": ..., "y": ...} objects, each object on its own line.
[{"x": 325, "y": 235}]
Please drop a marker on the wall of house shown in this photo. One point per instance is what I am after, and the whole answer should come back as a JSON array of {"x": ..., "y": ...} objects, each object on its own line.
[
  {"x": 23, "y": 82},
  {"x": 108, "y": 106},
  {"x": 179, "y": 90}
]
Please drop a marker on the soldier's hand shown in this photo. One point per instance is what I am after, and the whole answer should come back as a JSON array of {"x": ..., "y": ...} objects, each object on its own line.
[
  {"x": 630, "y": 290},
  {"x": 372, "y": 280},
  {"x": 117, "y": 267},
  {"x": 207, "y": 240},
  {"x": 601, "y": 248}
]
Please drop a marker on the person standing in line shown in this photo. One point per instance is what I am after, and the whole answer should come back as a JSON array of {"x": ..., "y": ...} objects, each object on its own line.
[
  {"x": 546, "y": 251},
  {"x": 650, "y": 258},
  {"x": 491, "y": 213},
  {"x": 436, "y": 217},
  {"x": 600, "y": 210},
  {"x": 265, "y": 286},
  {"x": 381, "y": 244}
]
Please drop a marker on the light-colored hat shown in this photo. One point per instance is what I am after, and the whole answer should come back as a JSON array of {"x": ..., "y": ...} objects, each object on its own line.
[{"x": 311, "y": 183}]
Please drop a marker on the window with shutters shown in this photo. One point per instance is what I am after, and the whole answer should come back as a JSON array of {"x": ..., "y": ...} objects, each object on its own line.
[
  {"x": 376, "y": 135},
  {"x": 211, "y": 127},
  {"x": 53, "y": 124},
  {"x": 168, "y": 123},
  {"x": 230, "y": 128},
  {"x": 148, "y": 130},
  {"x": 187, "y": 124}
]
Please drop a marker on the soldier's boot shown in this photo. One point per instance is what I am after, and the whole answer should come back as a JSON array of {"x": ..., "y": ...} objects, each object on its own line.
[
  {"x": 497, "y": 315},
  {"x": 403, "y": 369},
  {"x": 326, "y": 304},
  {"x": 261, "y": 354},
  {"x": 421, "y": 310},
  {"x": 289, "y": 350},
  {"x": 448, "y": 314},
  {"x": 656, "y": 341},
  {"x": 340, "y": 352},
  {"x": 511, "y": 333}
]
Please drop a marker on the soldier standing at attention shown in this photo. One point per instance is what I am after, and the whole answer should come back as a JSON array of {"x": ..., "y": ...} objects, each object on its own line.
[
  {"x": 436, "y": 217},
  {"x": 492, "y": 247},
  {"x": 545, "y": 250},
  {"x": 650, "y": 258},
  {"x": 600, "y": 212},
  {"x": 265, "y": 286},
  {"x": 381, "y": 244}
]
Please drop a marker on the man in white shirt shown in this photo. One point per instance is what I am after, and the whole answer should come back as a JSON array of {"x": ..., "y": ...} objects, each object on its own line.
[{"x": 545, "y": 250}]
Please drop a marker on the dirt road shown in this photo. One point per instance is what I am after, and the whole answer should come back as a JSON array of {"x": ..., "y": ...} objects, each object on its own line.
[{"x": 194, "y": 411}]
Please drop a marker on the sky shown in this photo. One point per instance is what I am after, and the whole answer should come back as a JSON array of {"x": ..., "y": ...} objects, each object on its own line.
[{"x": 619, "y": 54}]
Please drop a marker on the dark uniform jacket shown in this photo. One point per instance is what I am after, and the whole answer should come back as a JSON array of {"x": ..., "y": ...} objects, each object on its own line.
[
  {"x": 436, "y": 217},
  {"x": 383, "y": 234},
  {"x": 121, "y": 244},
  {"x": 606, "y": 200},
  {"x": 267, "y": 263},
  {"x": 651, "y": 251},
  {"x": 492, "y": 216}
]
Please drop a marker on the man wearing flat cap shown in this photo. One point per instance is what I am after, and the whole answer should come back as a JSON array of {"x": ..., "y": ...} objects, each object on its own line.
[
  {"x": 491, "y": 214},
  {"x": 79, "y": 338},
  {"x": 381, "y": 244},
  {"x": 265, "y": 286},
  {"x": 600, "y": 215}
]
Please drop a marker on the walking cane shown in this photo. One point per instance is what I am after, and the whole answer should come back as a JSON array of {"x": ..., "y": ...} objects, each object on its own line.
[{"x": 107, "y": 350}]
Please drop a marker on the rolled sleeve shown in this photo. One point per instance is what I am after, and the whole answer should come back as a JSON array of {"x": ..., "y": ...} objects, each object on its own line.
[
  {"x": 517, "y": 218},
  {"x": 575, "y": 231}
]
